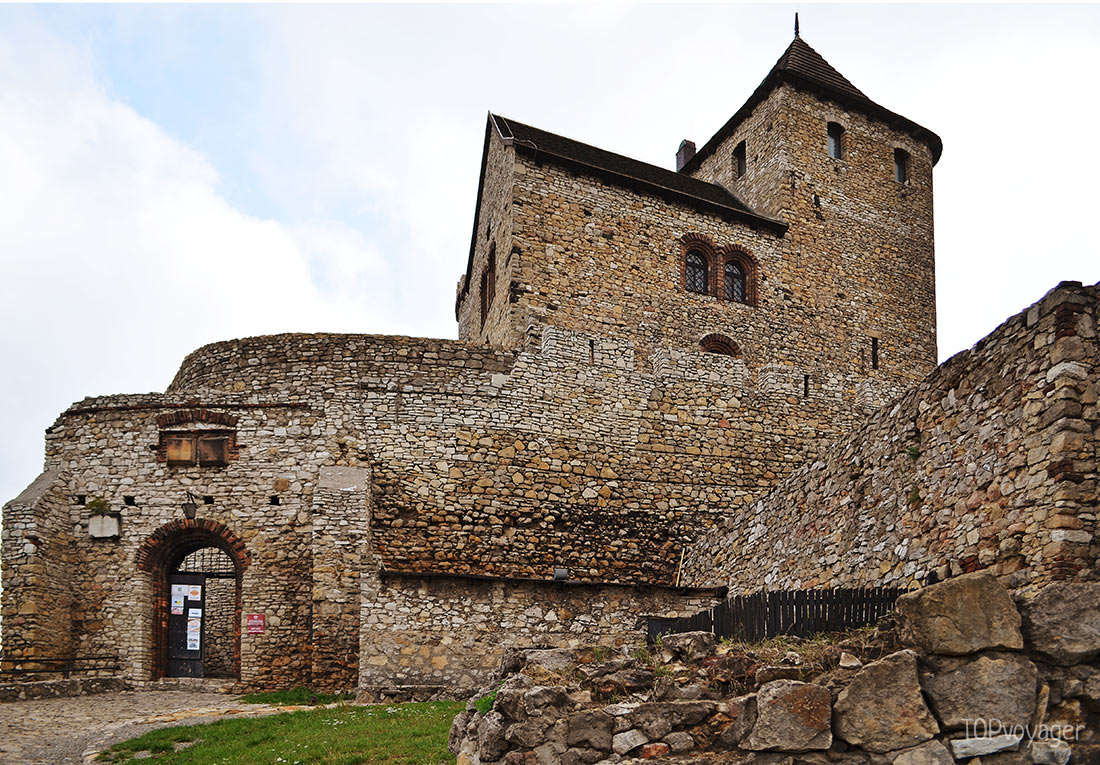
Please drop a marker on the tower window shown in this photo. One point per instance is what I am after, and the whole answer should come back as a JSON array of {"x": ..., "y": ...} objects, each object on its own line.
[
  {"x": 488, "y": 283},
  {"x": 836, "y": 140},
  {"x": 484, "y": 297},
  {"x": 874, "y": 353},
  {"x": 491, "y": 270},
  {"x": 739, "y": 164},
  {"x": 901, "y": 165},
  {"x": 734, "y": 282},
  {"x": 695, "y": 272}
]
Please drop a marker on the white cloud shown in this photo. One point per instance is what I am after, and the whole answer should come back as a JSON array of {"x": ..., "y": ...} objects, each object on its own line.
[{"x": 119, "y": 256}]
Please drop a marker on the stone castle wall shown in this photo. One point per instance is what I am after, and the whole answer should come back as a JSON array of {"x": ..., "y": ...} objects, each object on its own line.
[
  {"x": 990, "y": 462},
  {"x": 37, "y": 560},
  {"x": 415, "y": 456},
  {"x": 450, "y": 632}
]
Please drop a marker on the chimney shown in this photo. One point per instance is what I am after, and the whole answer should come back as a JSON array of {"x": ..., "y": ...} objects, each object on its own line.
[{"x": 684, "y": 153}]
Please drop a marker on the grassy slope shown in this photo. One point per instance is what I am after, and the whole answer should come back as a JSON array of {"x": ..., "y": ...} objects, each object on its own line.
[{"x": 396, "y": 734}]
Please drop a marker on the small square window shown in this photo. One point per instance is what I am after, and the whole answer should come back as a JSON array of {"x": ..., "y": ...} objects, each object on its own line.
[
  {"x": 213, "y": 451},
  {"x": 179, "y": 449}
]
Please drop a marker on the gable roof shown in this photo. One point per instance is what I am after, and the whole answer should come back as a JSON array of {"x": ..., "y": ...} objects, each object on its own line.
[
  {"x": 803, "y": 67},
  {"x": 550, "y": 147}
]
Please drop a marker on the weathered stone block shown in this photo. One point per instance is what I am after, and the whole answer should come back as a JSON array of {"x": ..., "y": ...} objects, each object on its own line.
[
  {"x": 1062, "y": 622},
  {"x": 791, "y": 716},
  {"x": 883, "y": 709},
  {"x": 963, "y": 615},
  {"x": 997, "y": 687}
]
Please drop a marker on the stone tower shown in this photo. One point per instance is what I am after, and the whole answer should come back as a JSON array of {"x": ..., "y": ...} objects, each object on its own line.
[
  {"x": 853, "y": 181},
  {"x": 820, "y": 198}
]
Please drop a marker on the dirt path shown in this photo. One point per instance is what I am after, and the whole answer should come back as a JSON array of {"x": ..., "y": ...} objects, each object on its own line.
[{"x": 73, "y": 730}]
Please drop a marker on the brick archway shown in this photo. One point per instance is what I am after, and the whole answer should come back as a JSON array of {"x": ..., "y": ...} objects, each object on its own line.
[{"x": 163, "y": 550}]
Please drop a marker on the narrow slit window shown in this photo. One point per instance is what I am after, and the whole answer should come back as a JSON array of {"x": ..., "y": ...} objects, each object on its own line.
[
  {"x": 836, "y": 140},
  {"x": 484, "y": 297},
  {"x": 901, "y": 165},
  {"x": 874, "y": 353},
  {"x": 805, "y": 386},
  {"x": 695, "y": 272},
  {"x": 739, "y": 163}
]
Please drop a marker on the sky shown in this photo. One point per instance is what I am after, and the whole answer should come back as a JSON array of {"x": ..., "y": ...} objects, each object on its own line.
[{"x": 175, "y": 175}]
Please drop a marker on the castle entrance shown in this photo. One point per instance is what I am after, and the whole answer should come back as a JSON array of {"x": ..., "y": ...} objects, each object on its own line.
[
  {"x": 196, "y": 568},
  {"x": 203, "y": 615}
]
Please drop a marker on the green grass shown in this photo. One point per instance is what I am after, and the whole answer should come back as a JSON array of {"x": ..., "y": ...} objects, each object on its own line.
[
  {"x": 300, "y": 695},
  {"x": 394, "y": 734}
]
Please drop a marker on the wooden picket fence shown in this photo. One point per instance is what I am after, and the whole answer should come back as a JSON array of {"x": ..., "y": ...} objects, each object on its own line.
[{"x": 800, "y": 613}]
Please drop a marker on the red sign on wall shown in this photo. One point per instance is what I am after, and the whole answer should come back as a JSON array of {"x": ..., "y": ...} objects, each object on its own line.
[{"x": 255, "y": 623}]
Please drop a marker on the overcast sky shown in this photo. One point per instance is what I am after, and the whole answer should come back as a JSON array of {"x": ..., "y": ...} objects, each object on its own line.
[{"x": 175, "y": 175}]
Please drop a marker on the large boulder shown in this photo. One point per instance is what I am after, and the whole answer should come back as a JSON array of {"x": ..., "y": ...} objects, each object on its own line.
[
  {"x": 737, "y": 719},
  {"x": 998, "y": 687},
  {"x": 490, "y": 737},
  {"x": 883, "y": 709},
  {"x": 928, "y": 753},
  {"x": 969, "y": 613},
  {"x": 689, "y": 646},
  {"x": 791, "y": 716},
  {"x": 592, "y": 729},
  {"x": 1062, "y": 622},
  {"x": 658, "y": 719}
]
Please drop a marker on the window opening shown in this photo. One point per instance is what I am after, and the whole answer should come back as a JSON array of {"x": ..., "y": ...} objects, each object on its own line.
[
  {"x": 739, "y": 163},
  {"x": 874, "y": 353},
  {"x": 836, "y": 139},
  {"x": 734, "y": 282},
  {"x": 901, "y": 165},
  {"x": 695, "y": 272}
]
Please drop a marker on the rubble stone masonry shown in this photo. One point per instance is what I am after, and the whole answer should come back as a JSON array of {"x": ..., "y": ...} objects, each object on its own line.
[{"x": 991, "y": 462}]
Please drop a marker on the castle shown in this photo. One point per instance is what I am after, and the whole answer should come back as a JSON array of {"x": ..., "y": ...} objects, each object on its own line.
[{"x": 646, "y": 357}]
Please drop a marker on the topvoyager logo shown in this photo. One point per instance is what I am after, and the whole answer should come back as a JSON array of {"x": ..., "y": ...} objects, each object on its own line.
[{"x": 981, "y": 727}]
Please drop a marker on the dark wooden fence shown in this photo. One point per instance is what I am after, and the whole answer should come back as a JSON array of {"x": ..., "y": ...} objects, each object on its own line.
[{"x": 787, "y": 612}]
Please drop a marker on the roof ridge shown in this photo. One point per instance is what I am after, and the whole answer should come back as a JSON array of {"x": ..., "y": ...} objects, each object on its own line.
[{"x": 560, "y": 146}]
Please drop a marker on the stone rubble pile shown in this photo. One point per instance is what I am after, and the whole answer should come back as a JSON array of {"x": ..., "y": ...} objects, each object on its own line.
[{"x": 960, "y": 674}]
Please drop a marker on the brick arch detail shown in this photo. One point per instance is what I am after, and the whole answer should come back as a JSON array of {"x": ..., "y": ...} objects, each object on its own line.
[
  {"x": 161, "y": 550},
  {"x": 188, "y": 416},
  {"x": 693, "y": 242},
  {"x": 735, "y": 253},
  {"x": 160, "y": 547},
  {"x": 717, "y": 343}
]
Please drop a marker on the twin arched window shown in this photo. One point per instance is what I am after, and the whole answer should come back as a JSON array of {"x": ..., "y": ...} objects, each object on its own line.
[
  {"x": 695, "y": 272},
  {"x": 736, "y": 269},
  {"x": 734, "y": 287}
]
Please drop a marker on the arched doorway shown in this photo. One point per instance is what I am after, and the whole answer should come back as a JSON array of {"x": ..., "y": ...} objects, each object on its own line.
[{"x": 197, "y": 568}]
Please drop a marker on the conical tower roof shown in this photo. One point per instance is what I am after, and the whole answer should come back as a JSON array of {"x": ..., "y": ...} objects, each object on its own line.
[{"x": 803, "y": 67}]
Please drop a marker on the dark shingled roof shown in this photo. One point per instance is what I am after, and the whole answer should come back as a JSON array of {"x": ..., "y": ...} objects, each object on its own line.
[
  {"x": 551, "y": 147},
  {"x": 803, "y": 67},
  {"x": 625, "y": 171}
]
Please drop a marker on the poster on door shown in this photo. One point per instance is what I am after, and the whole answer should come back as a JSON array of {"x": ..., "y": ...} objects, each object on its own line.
[
  {"x": 194, "y": 592},
  {"x": 178, "y": 593},
  {"x": 194, "y": 633}
]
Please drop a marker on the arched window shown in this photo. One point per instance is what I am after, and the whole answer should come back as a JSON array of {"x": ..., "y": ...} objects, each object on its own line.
[
  {"x": 695, "y": 272},
  {"x": 715, "y": 343},
  {"x": 735, "y": 282}
]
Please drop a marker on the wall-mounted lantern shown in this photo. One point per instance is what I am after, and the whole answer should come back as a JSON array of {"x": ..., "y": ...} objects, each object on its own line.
[{"x": 190, "y": 507}]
